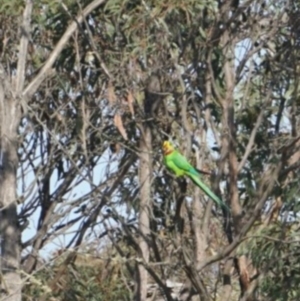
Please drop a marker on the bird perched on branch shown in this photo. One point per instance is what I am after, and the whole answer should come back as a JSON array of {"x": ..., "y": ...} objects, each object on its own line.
[{"x": 178, "y": 164}]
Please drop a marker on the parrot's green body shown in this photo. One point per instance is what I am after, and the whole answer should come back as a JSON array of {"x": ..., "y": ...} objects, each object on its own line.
[{"x": 177, "y": 163}]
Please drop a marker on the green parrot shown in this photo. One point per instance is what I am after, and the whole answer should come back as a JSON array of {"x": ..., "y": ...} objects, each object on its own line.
[{"x": 177, "y": 163}]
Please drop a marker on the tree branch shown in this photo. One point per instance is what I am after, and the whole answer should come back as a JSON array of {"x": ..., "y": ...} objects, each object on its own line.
[
  {"x": 36, "y": 82},
  {"x": 267, "y": 183},
  {"x": 251, "y": 140},
  {"x": 25, "y": 29}
]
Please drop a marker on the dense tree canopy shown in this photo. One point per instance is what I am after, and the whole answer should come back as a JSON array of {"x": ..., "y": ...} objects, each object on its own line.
[{"x": 89, "y": 90}]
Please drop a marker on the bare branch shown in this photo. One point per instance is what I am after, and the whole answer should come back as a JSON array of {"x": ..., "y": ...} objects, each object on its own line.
[{"x": 251, "y": 140}]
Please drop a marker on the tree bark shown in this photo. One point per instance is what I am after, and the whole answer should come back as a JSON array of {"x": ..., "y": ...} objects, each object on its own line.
[
  {"x": 229, "y": 129},
  {"x": 145, "y": 172},
  {"x": 9, "y": 229}
]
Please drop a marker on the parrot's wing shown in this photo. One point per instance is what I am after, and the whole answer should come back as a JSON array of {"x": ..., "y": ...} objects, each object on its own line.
[{"x": 182, "y": 163}]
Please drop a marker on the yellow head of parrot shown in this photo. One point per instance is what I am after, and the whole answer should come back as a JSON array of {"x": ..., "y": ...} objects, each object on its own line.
[{"x": 167, "y": 147}]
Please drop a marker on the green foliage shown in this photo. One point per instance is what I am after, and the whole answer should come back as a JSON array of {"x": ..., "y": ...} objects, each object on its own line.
[
  {"x": 12, "y": 8},
  {"x": 76, "y": 283},
  {"x": 89, "y": 286},
  {"x": 274, "y": 251}
]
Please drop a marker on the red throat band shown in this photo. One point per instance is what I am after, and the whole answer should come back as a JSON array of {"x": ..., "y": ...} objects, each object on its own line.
[{"x": 168, "y": 152}]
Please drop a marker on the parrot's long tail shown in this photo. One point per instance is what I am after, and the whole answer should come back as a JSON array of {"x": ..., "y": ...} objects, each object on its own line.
[{"x": 207, "y": 191}]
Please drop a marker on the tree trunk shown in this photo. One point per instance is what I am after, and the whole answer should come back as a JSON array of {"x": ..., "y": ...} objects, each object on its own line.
[
  {"x": 229, "y": 128},
  {"x": 144, "y": 220},
  {"x": 9, "y": 229}
]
